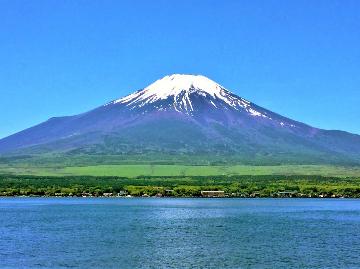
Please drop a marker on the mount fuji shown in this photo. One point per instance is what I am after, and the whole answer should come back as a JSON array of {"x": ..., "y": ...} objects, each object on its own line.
[{"x": 185, "y": 115}]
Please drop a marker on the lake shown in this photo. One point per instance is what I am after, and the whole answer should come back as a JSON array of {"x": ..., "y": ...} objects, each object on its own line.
[{"x": 179, "y": 233}]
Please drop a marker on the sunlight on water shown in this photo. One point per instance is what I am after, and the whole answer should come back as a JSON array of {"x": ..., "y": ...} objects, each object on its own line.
[{"x": 179, "y": 233}]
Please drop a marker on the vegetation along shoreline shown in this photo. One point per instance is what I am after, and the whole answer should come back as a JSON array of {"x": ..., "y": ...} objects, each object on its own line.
[{"x": 270, "y": 186}]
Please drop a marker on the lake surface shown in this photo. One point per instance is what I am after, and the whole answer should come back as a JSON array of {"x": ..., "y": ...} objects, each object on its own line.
[{"x": 179, "y": 233}]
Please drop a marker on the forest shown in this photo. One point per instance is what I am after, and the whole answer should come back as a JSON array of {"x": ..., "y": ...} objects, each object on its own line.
[{"x": 178, "y": 186}]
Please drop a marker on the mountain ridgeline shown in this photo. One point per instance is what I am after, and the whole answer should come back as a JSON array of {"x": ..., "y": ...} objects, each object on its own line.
[{"x": 184, "y": 117}]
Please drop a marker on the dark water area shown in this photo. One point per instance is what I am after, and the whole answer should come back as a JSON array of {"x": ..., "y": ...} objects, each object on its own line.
[{"x": 179, "y": 233}]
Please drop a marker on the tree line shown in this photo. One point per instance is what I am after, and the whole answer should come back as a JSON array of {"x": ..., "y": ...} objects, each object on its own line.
[{"x": 233, "y": 186}]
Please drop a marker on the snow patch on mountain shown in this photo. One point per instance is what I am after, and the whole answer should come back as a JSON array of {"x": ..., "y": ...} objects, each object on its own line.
[
  {"x": 173, "y": 86},
  {"x": 177, "y": 92},
  {"x": 179, "y": 89}
]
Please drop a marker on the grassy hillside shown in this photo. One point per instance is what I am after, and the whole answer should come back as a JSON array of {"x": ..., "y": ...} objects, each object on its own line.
[{"x": 140, "y": 170}]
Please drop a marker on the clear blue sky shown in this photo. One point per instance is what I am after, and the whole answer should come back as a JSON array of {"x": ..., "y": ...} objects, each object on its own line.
[{"x": 298, "y": 58}]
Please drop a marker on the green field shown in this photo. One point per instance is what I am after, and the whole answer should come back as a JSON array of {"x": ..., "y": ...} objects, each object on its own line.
[
  {"x": 185, "y": 180},
  {"x": 133, "y": 171}
]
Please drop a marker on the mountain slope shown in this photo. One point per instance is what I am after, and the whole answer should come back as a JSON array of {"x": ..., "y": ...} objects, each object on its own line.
[{"x": 186, "y": 115}]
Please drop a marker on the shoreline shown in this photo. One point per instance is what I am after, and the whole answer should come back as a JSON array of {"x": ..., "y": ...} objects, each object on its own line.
[
  {"x": 190, "y": 187},
  {"x": 174, "y": 197}
]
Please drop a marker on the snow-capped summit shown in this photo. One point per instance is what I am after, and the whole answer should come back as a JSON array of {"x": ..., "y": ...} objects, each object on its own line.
[
  {"x": 182, "y": 93},
  {"x": 175, "y": 84}
]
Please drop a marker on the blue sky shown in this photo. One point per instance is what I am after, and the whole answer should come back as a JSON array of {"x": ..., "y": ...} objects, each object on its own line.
[{"x": 298, "y": 58}]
